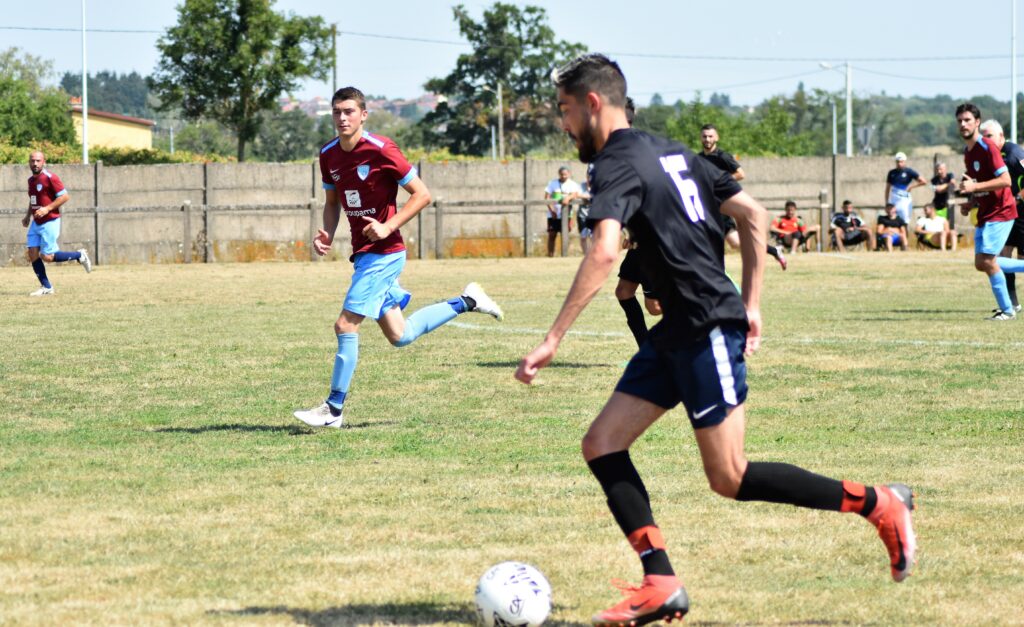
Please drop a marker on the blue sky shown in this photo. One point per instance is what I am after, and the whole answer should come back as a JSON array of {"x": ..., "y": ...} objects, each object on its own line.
[{"x": 758, "y": 48}]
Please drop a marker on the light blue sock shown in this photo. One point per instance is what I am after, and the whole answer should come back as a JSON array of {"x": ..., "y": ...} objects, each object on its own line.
[
  {"x": 429, "y": 318},
  {"x": 1013, "y": 266},
  {"x": 344, "y": 367},
  {"x": 998, "y": 282}
]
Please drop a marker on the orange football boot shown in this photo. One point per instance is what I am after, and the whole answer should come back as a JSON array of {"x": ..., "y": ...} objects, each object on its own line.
[{"x": 658, "y": 597}]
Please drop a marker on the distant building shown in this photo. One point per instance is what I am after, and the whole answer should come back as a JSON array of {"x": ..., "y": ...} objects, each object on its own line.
[
  {"x": 400, "y": 107},
  {"x": 113, "y": 130}
]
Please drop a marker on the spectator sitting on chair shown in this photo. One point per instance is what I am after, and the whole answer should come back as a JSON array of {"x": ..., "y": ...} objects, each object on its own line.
[
  {"x": 849, "y": 229},
  {"x": 789, "y": 229},
  {"x": 891, "y": 229},
  {"x": 933, "y": 230}
]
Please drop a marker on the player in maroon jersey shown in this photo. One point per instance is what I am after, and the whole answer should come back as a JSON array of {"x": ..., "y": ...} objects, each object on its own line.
[
  {"x": 361, "y": 175},
  {"x": 46, "y": 195}
]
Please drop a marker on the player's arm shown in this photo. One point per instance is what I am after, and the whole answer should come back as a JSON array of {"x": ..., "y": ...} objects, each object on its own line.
[
  {"x": 419, "y": 197},
  {"x": 332, "y": 214},
  {"x": 888, "y": 190},
  {"x": 739, "y": 174},
  {"x": 1003, "y": 180},
  {"x": 918, "y": 182},
  {"x": 751, "y": 224},
  {"x": 591, "y": 276}
]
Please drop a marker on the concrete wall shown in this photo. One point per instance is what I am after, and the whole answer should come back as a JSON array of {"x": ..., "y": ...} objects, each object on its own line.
[{"x": 252, "y": 211}]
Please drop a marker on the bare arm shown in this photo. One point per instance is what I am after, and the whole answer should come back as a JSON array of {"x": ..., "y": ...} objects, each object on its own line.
[
  {"x": 1003, "y": 180},
  {"x": 593, "y": 272},
  {"x": 739, "y": 174},
  {"x": 918, "y": 182},
  {"x": 332, "y": 213},
  {"x": 888, "y": 190},
  {"x": 751, "y": 224}
]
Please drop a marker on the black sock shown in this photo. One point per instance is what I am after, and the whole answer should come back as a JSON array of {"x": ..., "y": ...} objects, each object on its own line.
[
  {"x": 635, "y": 318},
  {"x": 773, "y": 251},
  {"x": 785, "y": 483},
  {"x": 1011, "y": 287},
  {"x": 629, "y": 503},
  {"x": 470, "y": 303},
  {"x": 40, "y": 269}
]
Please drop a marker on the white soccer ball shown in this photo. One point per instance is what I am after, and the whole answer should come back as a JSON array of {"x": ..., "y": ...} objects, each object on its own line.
[{"x": 513, "y": 594}]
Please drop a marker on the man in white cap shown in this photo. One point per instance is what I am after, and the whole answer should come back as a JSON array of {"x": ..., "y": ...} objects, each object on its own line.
[{"x": 898, "y": 184}]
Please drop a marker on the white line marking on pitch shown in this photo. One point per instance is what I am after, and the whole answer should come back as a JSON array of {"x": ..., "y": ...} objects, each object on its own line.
[{"x": 797, "y": 340}]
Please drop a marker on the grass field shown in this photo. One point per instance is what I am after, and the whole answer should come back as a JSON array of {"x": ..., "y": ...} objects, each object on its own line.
[{"x": 151, "y": 472}]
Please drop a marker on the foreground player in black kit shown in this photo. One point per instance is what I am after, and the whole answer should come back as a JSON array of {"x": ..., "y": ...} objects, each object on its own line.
[{"x": 670, "y": 200}]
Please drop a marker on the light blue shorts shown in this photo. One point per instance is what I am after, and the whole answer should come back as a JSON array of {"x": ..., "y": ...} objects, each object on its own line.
[
  {"x": 43, "y": 236},
  {"x": 375, "y": 289},
  {"x": 990, "y": 238}
]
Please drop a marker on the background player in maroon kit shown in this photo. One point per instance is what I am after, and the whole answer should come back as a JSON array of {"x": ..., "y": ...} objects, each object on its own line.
[
  {"x": 361, "y": 174},
  {"x": 46, "y": 195}
]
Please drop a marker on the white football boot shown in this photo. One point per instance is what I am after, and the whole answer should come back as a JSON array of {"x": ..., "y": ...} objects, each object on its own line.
[
  {"x": 320, "y": 417},
  {"x": 43, "y": 291},
  {"x": 484, "y": 303},
  {"x": 85, "y": 261}
]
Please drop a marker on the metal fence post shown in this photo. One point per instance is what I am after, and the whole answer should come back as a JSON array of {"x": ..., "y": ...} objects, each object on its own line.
[
  {"x": 96, "y": 200},
  {"x": 824, "y": 231},
  {"x": 439, "y": 229},
  {"x": 186, "y": 209},
  {"x": 526, "y": 210},
  {"x": 208, "y": 239},
  {"x": 313, "y": 228}
]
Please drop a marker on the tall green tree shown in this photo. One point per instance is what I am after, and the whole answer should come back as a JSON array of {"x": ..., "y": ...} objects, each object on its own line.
[
  {"x": 513, "y": 46},
  {"x": 127, "y": 94},
  {"x": 29, "y": 110},
  {"x": 288, "y": 136},
  {"x": 230, "y": 61}
]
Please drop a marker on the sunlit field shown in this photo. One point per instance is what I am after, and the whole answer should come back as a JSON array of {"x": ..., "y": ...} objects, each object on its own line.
[{"x": 151, "y": 471}]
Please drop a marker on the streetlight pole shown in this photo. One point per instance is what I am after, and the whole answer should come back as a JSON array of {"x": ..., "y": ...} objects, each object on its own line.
[
  {"x": 835, "y": 138},
  {"x": 849, "y": 103},
  {"x": 849, "y": 110},
  {"x": 1013, "y": 71},
  {"x": 85, "y": 96}
]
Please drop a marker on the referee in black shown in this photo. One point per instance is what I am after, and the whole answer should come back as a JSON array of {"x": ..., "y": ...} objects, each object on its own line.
[{"x": 671, "y": 202}]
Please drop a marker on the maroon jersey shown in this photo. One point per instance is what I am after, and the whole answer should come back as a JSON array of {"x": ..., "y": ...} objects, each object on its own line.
[
  {"x": 366, "y": 181},
  {"x": 984, "y": 163},
  {"x": 44, "y": 188}
]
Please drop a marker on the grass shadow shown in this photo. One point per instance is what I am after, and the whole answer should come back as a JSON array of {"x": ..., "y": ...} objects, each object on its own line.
[
  {"x": 554, "y": 365},
  {"x": 389, "y": 614},
  {"x": 289, "y": 429}
]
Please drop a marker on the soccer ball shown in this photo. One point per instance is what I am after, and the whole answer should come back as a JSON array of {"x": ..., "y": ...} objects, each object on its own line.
[{"x": 513, "y": 594}]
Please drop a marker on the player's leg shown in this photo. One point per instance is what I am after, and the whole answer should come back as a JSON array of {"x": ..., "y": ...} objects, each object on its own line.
[
  {"x": 711, "y": 378},
  {"x": 33, "y": 242},
  {"x": 631, "y": 275},
  {"x": 606, "y": 449},
  {"x": 989, "y": 240},
  {"x": 1011, "y": 278},
  {"x": 402, "y": 331},
  {"x": 838, "y": 236},
  {"x": 554, "y": 228},
  {"x": 53, "y": 251}
]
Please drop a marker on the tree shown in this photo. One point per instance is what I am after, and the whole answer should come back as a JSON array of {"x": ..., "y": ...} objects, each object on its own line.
[
  {"x": 127, "y": 94},
  {"x": 288, "y": 136},
  {"x": 205, "y": 137},
  {"x": 230, "y": 61},
  {"x": 29, "y": 111},
  {"x": 513, "y": 46}
]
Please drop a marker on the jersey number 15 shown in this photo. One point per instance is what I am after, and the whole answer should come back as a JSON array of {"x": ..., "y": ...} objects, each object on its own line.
[{"x": 674, "y": 165}]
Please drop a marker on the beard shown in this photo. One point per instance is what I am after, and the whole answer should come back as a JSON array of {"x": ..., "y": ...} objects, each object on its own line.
[{"x": 585, "y": 145}]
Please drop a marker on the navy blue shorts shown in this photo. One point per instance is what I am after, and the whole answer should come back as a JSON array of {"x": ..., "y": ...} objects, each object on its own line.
[{"x": 708, "y": 378}]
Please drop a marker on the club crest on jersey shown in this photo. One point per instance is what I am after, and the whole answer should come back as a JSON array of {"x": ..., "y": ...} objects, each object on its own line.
[
  {"x": 352, "y": 198},
  {"x": 363, "y": 171},
  {"x": 977, "y": 166},
  {"x": 39, "y": 187}
]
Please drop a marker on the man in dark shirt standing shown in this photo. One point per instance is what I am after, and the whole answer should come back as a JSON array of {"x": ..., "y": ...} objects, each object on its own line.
[
  {"x": 1013, "y": 158},
  {"x": 727, "y": 163},
  {"x": 942, "y": 184},
  {"x": 670, "y": 201}
]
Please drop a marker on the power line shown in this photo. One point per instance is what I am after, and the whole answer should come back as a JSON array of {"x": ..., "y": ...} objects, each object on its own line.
[
  {"x": 937, "y": 78},
  {"x": 638, "y": 55},
  {"x": 732, "y": 86}
]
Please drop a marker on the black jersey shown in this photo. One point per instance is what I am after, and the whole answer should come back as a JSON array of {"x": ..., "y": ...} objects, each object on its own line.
[
  {"x": 722, "y": 160},
  {"x": 670, "y": 200},
  {"x": 1013, "y": 157}
]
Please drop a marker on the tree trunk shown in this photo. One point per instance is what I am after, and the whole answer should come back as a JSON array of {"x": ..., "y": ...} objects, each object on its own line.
[{"x": 241, "y": 148}]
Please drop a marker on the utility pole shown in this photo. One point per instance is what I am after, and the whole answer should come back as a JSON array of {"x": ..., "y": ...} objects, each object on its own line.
[
  {"x": 1013, "y": 71},
  {"x": 334, "y": 59},
  {"x": 85, "y": 96},
  {"x": 849, "y": 110},
  {"x": 501, "y": 125}
]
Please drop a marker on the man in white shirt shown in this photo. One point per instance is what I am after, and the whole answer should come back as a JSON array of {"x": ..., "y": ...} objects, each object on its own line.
[
  {"x": 933, "y": 230},
  {"x": 563, "y": 191}
]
